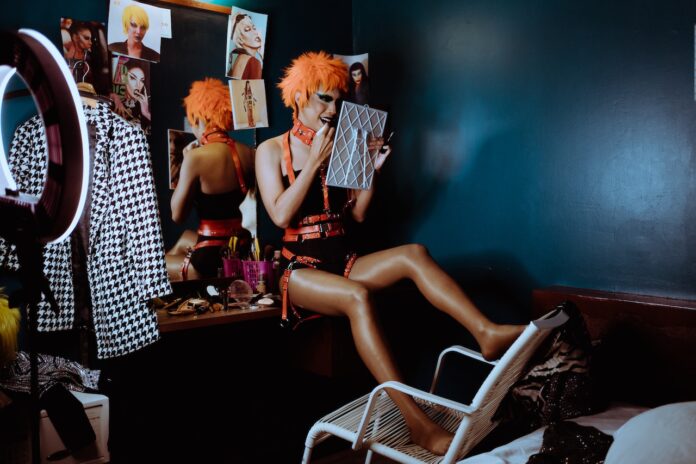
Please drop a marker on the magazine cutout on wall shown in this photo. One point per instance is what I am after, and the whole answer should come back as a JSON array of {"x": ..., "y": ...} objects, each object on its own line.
[{"x": 351, "y": 164}]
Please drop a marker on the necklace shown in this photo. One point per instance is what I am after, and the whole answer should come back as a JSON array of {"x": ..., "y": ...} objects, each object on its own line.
[{"x": 302, "y": 132}]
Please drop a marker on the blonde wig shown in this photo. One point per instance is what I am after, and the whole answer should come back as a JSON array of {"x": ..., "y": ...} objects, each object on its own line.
[
  {"x": 209, "y": 101},
  {"x": 9, "y": 328},
  {"x": 309, "y": 72},
  {"x": 139, "y": 16}
]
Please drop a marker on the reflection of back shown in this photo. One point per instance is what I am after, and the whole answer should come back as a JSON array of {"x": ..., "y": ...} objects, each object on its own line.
[{"x": 215, "y": 187}]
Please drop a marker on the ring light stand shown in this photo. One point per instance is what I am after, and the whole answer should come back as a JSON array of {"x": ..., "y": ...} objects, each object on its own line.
[{"x": 28, "y": 221}]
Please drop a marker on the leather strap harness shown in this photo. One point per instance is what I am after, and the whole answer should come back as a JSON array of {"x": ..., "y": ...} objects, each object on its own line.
[
  {"x": 285, "y": 280},
  {"x": 217, "y": 227},
  {"x": 221, "y": 136},
  {"x": 317, "y": 226}
]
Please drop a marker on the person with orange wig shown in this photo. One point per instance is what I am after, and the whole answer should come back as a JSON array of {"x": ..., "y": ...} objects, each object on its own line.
[
  {"x": 214, "y": 177},
  {"x": 322, "y": 275}
]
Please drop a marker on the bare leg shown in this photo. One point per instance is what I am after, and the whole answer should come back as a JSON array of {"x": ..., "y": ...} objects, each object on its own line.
[
  {"x": 384, "y": 268},
  {"x": 337, "y": 296}
]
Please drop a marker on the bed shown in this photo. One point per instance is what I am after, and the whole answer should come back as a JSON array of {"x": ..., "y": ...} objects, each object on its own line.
[{"x": 646, "y": 352}]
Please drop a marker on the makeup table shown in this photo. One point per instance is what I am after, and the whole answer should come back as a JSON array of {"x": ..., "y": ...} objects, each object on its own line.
[{"x": 169, "y": 323}]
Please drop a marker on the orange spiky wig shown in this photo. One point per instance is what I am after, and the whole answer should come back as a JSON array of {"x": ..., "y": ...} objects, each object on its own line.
[
  {"x": 209, "y": 101},
  {"x": 307, "y": 73}
]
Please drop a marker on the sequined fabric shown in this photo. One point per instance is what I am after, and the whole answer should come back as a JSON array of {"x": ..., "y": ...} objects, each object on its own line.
[
  {"x": 559, "y": 384},
  {"x": 569, "y": 443}
]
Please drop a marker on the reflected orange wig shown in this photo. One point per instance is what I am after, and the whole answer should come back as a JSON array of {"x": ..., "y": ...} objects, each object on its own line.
[
  {"x": 209, "y": 101},
  {"x": 307, "y": 73}
]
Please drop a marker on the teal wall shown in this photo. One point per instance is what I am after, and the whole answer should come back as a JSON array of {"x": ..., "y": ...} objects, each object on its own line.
[
  {"x": 537, "y": 142},
  {"x": 196, "y": 51},
  {"x": 540, "y": 142}
]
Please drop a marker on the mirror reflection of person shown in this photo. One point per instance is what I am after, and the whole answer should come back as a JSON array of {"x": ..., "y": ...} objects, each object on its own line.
[
  {"x": 214, "y": 178},
  {"x": 135, "y": 25},
  {"x": 245, "y": 58},
  {"x": 249, "y": 104},
  {"x": 322, "y": 274},
  {"x": 135, "y": 104},
  {"x": 359, "y": 88}
]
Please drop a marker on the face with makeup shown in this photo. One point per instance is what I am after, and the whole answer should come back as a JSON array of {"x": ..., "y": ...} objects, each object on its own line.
[
  {"x": 135, "y": 83},
  {"x": 246, "y": 35},
  {"x": 321, "y": 108},
  {"x": 82, "y": 39},
  {"x": 136, "y": 31},
  {"x": 357, "y": 76}
]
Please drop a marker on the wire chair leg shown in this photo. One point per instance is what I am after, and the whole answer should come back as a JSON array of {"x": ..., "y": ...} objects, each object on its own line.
[
  {"x": 307, "y": 454},
  {"x": 368, "y": 457}
]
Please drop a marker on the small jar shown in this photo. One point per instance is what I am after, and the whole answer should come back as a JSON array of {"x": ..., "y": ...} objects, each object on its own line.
[{"x": 261, "y": 286}]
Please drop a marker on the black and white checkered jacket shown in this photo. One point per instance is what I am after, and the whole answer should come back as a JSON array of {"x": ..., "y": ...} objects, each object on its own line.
[{"x": 125, "y": 264}]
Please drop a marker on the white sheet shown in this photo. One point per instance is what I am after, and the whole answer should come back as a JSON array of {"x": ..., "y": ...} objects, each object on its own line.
[{"x": 519, "y": 450}]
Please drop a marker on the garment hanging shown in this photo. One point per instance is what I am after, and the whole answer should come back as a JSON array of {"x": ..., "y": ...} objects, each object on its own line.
[{"x": 125, "y": 260}]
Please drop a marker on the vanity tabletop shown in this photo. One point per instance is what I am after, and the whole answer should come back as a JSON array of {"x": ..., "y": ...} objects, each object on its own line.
[{"x": 169, "y": 323}]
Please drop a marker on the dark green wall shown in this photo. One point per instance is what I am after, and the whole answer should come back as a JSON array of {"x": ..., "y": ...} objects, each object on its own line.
[
  {"x": 540, "y": 142},
  {"x": 196, "y": 51},
  {"x": 537, "y": 143}
]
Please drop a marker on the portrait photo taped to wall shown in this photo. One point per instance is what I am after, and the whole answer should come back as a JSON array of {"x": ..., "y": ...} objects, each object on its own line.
[
  {"x": 135, "y": 30},
  {"x": 248, "y": 104},
  {"x": 358, "y": 79},
  {"x": 178, "y": 140},
  {"x": 246, "y": 38},
  {"x": 131, "y": 90},
  {"x": 84, "y": 48}
]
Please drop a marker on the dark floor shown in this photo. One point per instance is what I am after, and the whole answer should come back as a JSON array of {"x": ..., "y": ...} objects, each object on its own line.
[
  {"x": 219, "y": 396},
  {"x": 232, "y": 394}
]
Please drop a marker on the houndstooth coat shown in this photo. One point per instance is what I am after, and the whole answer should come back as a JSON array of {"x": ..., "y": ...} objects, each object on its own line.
[{"x": 125, "y": 262}]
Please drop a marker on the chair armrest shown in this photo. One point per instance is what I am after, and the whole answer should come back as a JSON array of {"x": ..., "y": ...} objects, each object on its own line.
[
  {"x": 413, "y": 392},
  {"x": 461, "y": 350}
]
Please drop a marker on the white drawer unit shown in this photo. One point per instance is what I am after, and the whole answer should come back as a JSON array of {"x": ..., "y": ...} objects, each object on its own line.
[{"x": 97, "y": 409}]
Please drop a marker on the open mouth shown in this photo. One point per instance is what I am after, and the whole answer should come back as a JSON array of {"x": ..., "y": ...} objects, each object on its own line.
[{"x": 330, "y": 121}]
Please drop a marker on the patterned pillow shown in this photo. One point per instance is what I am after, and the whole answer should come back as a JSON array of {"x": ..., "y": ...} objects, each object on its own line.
[{"x": 558, "y": 384}]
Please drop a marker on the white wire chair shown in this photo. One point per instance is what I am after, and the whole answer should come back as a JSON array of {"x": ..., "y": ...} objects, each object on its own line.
[{"x": 373, "y": 421}]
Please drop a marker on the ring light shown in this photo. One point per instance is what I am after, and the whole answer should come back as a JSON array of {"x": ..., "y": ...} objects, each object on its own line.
[{"x": 37, "y": 61}]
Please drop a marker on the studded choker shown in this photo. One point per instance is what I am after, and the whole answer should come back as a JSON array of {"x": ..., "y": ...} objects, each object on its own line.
[{"x": 302, "y": 132}]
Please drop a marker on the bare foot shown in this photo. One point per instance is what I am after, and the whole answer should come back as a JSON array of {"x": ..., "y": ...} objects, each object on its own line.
[
  {"x": 432, "y": 437},
  {"x": 498, "y": 339}
]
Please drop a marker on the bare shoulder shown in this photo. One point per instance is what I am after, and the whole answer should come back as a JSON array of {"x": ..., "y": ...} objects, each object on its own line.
[
  {"x": 270, "y": 150},
  {"x": 210, "y": 153}
]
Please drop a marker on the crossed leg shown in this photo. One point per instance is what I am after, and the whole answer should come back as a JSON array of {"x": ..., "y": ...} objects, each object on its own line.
[{"x": 334, "y": 295}]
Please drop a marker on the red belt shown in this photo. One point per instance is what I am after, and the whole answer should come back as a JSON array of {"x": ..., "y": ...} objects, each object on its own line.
[
  {"x": 219, "y": 227},
  {"x": 323, "y": 230},
  {"x": 324, "y": 217}
]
